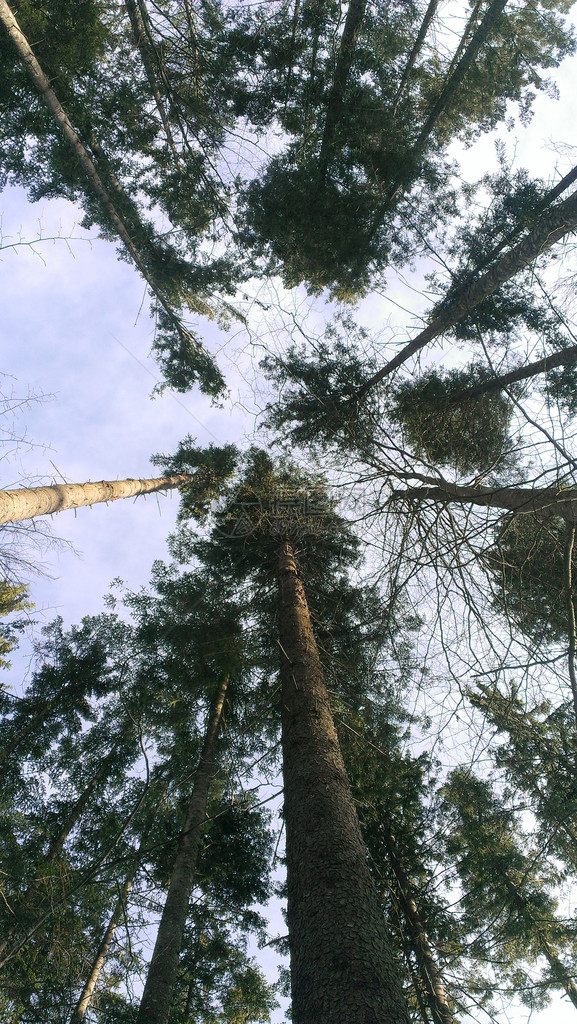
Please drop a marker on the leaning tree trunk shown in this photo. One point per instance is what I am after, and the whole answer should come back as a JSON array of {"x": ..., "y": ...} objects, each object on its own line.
[
  {"x": 565, "y": 357},
  {"x": 551, "y": 226},
  {"x": 57, "y": 845},
  {"x": 417, "y": 47},
  {"x": 41, "y": 83},
  {"x": 342, "y": 970},
  {"x": 163, "y": 970},
  {"x": 84, "y": 1000},
  {"x": 345, "y": 58},
  {"x": 28, "y": 502},
  {"x": 542, "y": 501},
  {"x": 427, "y": 966}
]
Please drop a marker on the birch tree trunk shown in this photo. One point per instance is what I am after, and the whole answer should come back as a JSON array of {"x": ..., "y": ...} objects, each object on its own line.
[
  {"x": 29, "y": 502},
  {"x": 163, "y": 970},
  {"x": 342, "y": 969}
]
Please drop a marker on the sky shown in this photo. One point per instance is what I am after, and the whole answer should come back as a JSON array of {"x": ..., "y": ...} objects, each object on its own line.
[{"x": 75, "y": 332}]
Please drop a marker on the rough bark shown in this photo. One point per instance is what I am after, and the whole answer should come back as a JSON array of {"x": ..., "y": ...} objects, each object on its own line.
[
  {"x": 552, "y": 225},
  {"x": 342, "y": 969},
  {"x": 29, "y": 502},
  {"x": 81, "y": 1008},
  {"x": 163, "y": 970},
  {"x": 570, "y": 601},
  {"x": 428, "y": 970},
  {"x": 544, "y": 501}
]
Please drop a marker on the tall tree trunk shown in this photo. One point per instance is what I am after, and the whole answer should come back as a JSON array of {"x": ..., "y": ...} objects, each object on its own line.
[
  {"x": 417, "y": 47},
  {"x": 77, "y": 809},
  {"x": 38, "y": 716},
  {"x": 455, "y": 79},
  {"x": 57, "y": 844},
  {"x": 428, "y": 970},
  {"x": 29, "y": 502},
  {"x": 552, "y": 225},
  {"x": 163, "y": 970},
  {"x": 81, "y": 1008},
  {"x": 546, "y": 501},
  {"x": 347, "y": 47},
  {"x": 342, "y": 969}
]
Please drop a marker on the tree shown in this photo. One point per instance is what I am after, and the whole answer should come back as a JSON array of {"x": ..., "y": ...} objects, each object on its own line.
[
  {"x": 28, "y": 502},
  {"x": 337, "y": 935},
  {"x": 363, "y": 103}
]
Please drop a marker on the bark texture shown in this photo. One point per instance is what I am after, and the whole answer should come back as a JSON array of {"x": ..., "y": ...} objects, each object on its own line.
[
  {"x": 342, "y": 968},
  {"x": 29, "y": 502},
  {"x": 163, "y": 970}
]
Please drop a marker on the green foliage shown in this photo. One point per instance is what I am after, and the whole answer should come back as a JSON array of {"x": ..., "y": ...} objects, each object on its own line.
[
  {"x": 526, "y": 563},
  {"x": 13, "y": 598},
  {"x": 441, "y": 427},
  {"x": 212, "y": 469},
  {"x": 318, "y": 405},
  {"x": 507, "y": 891}
]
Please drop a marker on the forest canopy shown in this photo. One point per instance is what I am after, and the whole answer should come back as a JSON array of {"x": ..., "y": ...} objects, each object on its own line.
[{"x": 348, "y": 690}]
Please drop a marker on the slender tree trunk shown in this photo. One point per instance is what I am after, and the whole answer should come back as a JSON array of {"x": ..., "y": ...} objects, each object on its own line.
[
  {"x": 38, "y": 716},
  {"x": 347, "y": 47},
  {"x": 163, "y": 970},
  {"x": 428, "y": 969},
  {"x": 342, "y": 969},
  {"x": 552, "y": 225},
  {"x": 139, "y": 31},
  {"x": 570, "y": 601},
  {"x": 42, "y": 84},
  {"x": 465, "y": 37},
  {"x": 480, "y": 35},
  {"x": 81, "y": 1008},
  {"x": 546, "y": 501},
  {"x": 566, "y": 357},
  {"x": 57, "y": 844},
  {"x": 29, "y": 502},
  {"x": 417, "y": 47},
  {"x": 78, "y": 807}
]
